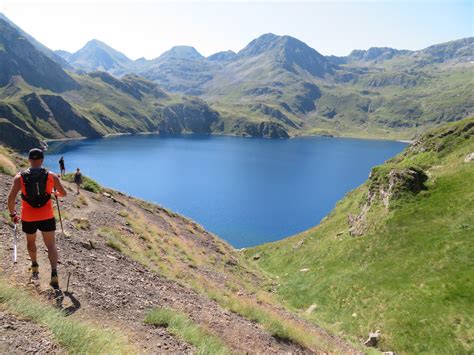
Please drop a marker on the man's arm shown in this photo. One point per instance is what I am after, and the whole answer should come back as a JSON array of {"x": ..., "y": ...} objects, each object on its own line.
[
  {"x": 61, "y": 192},
  {"x": 16, "y": 187}
]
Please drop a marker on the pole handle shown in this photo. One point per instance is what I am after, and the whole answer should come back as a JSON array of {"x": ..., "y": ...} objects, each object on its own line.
[{"x": 59, "y": 213}]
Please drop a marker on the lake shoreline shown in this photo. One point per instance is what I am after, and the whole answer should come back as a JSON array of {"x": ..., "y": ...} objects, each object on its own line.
[{"x": 110, "y": 135}]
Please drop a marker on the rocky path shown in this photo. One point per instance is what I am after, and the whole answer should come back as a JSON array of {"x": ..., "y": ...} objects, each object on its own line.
[{"x": 19, "y": 336}]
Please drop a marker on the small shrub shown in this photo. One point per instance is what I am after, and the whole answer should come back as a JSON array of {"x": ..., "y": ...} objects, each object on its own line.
[
  {"x": 81, "y": 223},
  {"x": 123, "y": 213},
  {"x": 179, "y": 324},
  {"x": 80, "y": 202},
  {"x": 114, "y": 244},
  {"x": 278, "y": 330},
  {"x": 113, "y": 239}
]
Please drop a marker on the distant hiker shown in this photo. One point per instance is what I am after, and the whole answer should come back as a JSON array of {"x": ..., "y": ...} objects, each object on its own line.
[
  {"x": 78, "y": 179},
  {"x": 36, "y": 185},
  {"x": 62, "y": 167}
]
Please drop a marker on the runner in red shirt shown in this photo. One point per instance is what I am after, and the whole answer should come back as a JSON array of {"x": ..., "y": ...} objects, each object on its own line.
[{"x": 36, "y": 185}]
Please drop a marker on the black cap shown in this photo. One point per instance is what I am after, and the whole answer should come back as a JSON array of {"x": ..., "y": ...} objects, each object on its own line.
[{"x": 35, "y": 154}]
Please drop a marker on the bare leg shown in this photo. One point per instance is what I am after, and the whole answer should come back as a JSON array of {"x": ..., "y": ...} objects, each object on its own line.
[
  {"x": 31, "y": 246},
  {"x": 50, "y": 242},
  {"x": 78, "y": 186}
]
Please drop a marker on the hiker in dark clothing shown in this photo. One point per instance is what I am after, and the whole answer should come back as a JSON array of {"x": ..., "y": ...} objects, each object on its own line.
[
  {"x": 62, "y": 167},
  {"x": 37, "y": 185},
  {"x": 78, "y": 179}
]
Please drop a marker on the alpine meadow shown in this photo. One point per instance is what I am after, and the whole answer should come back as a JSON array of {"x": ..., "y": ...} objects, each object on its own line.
[{"x": 166, "y": 227}]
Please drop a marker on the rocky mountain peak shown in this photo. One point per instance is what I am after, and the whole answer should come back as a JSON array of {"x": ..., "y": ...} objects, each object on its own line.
[
  {"x": 182, "y": 52},
  {"x": 289, "y": 53},
  {"x": 96, "y": 55},
  {"x": 376, "y": 53},
  {"x": 222, "y": 56}
]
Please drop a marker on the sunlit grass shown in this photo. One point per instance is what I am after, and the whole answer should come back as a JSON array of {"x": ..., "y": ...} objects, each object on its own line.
[
  {"x": 182, "y": 326},
  {"x": 76, "y": 337}
]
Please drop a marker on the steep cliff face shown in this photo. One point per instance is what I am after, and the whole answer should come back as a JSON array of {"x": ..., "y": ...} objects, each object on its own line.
[
  {"x": 68, "y": 119},
  {"x": 15, "y": 137},
  {"x": 274, "y": 113},
  {"x": 11, "y": 114},
  {"x": 53, "y": 117},
  {"x": 265, "y": 129},
  {"x": 192, "y": 115}
]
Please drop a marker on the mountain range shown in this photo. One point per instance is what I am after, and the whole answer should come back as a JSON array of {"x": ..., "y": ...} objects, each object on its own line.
[{"x": 277, "y": 86}]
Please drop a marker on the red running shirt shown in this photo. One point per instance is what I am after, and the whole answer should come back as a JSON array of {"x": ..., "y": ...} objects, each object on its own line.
[{"x": 31, "y": 214}]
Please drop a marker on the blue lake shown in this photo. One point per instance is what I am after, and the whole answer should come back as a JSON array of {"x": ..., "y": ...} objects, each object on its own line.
[{"x": 246, "y": 190}]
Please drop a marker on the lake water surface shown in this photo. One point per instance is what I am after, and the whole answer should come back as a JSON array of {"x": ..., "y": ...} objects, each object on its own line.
[{"x": 246, "y": 190}]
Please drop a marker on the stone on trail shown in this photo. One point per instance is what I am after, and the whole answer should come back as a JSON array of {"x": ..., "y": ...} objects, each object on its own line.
[
  {"x": 469, "y": 157},
  {"x": 373, "y": 339}
]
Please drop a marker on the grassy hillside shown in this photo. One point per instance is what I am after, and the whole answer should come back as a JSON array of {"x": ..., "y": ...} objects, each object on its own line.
[
  {"x": 395, "y": 255},
  {"x": 100, "y": 105}
]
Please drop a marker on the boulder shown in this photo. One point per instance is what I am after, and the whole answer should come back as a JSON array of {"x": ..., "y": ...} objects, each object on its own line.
[
  {"x": 311, "y": 309},
  {"x": 373, "y": 339},
  {"x": 469, "y": 157}
]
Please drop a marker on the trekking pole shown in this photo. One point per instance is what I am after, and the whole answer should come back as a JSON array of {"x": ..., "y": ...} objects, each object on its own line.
[
  {"x": 59, "y": 213},
  {"x": 68, "y": 278},
  {"x": 14, "y": 243}
]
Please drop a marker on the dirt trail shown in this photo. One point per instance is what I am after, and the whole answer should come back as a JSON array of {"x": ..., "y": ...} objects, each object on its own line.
[
  {"x": 19, "y": 336},
  {"x": 112, "y": 289}
]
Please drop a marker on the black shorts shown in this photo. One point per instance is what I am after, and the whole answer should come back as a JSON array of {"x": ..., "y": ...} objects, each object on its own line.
[{"x": 46, "y": 225}]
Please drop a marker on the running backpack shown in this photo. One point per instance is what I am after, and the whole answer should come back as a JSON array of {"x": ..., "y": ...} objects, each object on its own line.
[{"x": 35, "y": 187}]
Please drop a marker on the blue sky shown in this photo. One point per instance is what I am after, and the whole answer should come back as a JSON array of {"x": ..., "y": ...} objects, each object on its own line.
[{"x": 147, "y": 28}]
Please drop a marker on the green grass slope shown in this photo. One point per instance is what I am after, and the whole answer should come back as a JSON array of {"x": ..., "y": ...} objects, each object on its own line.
[{"x": 395, "y": 255}]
